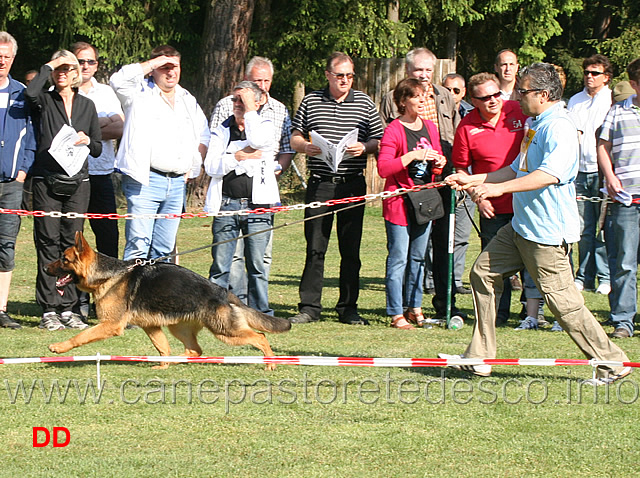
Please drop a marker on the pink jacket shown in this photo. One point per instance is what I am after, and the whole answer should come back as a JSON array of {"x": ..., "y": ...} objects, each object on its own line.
[{"x": 392, "y": 147}]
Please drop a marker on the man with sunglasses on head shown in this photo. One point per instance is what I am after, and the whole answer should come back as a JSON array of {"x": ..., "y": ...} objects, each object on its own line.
[
  {"x": 333, "y": 113},
  {"x": 111, "y": 118},
  {"x": 588, "y": 110},
  {"x": 456, "y": 85},
  {"x": 544, "y": 225}
]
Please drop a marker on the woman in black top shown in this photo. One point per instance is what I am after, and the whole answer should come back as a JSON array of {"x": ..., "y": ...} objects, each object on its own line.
[{"x": 53, "y": 188}]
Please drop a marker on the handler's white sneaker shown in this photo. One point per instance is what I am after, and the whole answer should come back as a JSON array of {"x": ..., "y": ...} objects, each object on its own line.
[{"x": 480, "y": 370}]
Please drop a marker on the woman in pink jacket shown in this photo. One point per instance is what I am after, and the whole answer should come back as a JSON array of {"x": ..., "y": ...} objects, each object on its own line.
[{"x": 408, "y": 150}]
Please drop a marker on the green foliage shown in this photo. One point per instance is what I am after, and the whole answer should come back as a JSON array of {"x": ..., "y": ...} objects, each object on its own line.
[
  {"x": 299, "y": 35},
  {"x": 122, "y": 30}
]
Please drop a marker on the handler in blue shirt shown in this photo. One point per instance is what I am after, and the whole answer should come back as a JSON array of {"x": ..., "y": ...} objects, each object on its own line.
[{"x": 544, "y": 225}]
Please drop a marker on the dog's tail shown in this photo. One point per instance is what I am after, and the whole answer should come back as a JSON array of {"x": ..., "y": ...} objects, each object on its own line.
[{"x": 258, "y": 320}]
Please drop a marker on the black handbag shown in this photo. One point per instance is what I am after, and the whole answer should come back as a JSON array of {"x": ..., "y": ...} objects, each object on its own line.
[
  {"x": 425, "y": 205},
  {"x": 63, "y": 185}
]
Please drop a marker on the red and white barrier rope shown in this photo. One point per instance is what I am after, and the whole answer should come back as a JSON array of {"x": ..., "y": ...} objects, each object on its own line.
[
  {"x": 243, "y": 212},
  {"x": 324, "y": 361}
]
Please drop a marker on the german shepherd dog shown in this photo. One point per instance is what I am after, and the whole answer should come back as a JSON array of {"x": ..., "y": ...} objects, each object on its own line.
[{"x": 152, "y": 296}]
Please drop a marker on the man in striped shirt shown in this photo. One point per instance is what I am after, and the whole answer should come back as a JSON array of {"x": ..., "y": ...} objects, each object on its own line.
[
  {"x": 619, "y": 160},
  {"x": 333, "y": 113}
]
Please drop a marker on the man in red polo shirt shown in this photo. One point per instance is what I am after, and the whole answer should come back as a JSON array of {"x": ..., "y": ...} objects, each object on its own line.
[{"x": 488, "y": 139}]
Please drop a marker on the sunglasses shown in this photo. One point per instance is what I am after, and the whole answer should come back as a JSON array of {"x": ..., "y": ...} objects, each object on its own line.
[
  {"x": 593, "y": 73},
  {"x": 65, "y": 69},
  {"x": 342, "y": 76},
  {"x": 236, "y": 99},
  {"x": 522, "y": 91},
  {"x": 488, "y": 97},
  {"x": 454, "y": 89},
  {"x": 88, "y": 62}
]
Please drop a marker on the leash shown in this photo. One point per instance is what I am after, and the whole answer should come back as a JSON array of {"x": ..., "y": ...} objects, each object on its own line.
[{"x": 398, "y": 192}]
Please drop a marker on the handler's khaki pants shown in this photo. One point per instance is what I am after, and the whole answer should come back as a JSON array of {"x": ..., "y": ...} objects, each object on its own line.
[{"x": 549, "y": 266}]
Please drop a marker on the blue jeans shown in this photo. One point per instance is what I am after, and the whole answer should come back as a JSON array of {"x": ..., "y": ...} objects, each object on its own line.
[
  {"x": 152, "y": 238},
  {"x": 405, "y": 265},
  {"x": 592, "y": 252},
  {"x": 230, "y": 227},
  {"x": 622, "y": 235}
]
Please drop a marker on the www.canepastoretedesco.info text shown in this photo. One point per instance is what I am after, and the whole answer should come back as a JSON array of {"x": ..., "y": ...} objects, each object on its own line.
[{"x": 323, "y": 391}]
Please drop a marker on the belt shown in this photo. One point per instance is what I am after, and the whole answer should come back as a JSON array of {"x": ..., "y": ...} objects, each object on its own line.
[
  {"x": 336, "y": 179},
  {"x": 166, "y": 174}
]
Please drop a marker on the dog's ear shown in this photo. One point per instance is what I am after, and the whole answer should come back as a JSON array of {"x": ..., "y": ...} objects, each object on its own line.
[{"x": 81, "y": 242}]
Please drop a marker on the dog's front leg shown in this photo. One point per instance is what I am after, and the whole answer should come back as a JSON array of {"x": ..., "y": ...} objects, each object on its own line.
[{"x": 102, "y": 331}]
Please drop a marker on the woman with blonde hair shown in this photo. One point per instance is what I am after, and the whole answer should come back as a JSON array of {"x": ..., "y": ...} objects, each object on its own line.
[{"x": 57, "y": 111}]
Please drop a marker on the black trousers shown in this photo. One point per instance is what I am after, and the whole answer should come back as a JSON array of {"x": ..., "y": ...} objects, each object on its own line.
[
  {"x": 52, "y": 235},
  {"x": 103, "y": 201},
  {"x": 317, "y": 233}
]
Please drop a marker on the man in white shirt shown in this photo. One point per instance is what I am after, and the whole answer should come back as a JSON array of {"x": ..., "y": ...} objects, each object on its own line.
[
  {"x": 111, "y": 118},
  {"x": 588, "y": 110},
  {"x": 506, "y": 67},
  {"x": 165, "y": 139}
]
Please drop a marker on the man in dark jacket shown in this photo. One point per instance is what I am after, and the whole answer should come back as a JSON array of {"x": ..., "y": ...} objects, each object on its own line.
[{"x": 17, "y": 147}]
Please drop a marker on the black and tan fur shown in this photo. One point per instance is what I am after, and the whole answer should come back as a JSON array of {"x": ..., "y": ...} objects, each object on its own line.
[{"x": 155, "y": 296}]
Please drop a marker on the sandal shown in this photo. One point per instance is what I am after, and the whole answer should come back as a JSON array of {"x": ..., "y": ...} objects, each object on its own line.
[
  {"x": 416, "y": 318},
  {"x": 400, "y": 322}
]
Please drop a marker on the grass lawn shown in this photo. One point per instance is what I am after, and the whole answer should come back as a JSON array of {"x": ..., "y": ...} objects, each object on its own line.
[{"x": 198, "y": 420}]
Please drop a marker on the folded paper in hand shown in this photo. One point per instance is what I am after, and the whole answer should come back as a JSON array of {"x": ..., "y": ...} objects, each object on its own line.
[
  {"x": 64, "y": 150},
  {"x": 333, "y": 154},
  {"x": 621, "y": 196}
]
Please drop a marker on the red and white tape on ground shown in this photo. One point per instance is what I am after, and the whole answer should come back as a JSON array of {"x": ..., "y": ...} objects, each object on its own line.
[{"x": 323, "y": 361}]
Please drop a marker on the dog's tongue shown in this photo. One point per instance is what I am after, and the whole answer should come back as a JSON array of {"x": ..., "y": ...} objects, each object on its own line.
[{"x": 61, "y": 282}]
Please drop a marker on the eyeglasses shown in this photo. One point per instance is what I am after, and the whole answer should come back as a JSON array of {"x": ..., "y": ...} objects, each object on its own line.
[
  {"x": 454, "y": 89},
  {"x": 522, "y": 91},
  {"x": 496, "y": 95},
  {"x": 593, "y": 73},
  {"x": 65, "y": 69},
  {"x": 236, "y": 99},
  {"x": 342, "y": 76},
  {"x": 88, "y": 62}
]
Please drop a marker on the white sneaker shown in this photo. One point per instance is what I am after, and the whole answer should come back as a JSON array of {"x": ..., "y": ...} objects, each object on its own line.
[
  {"x": 480, "y": 370},
  {"x": 530, "y": 323},
  {"x": 603, "y": 289},
  {"x": 579, "y": 285},
  {"x": 600, "y": 381},
  {"x": 72, "y": 321}
]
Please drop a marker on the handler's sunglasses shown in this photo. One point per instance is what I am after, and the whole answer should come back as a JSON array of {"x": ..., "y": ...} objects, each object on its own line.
[
  {"x": 522, "y": 91},
  {"x": 88, "y": 62},
  {"x": 496, "y": 95},
  {"x": 342, "y": 76},
  {"x": 454, "y": 89},
  {"x": 593, "y": 73}
]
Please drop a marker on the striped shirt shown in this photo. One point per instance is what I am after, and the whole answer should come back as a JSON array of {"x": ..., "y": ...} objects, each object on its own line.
[
  {"x": 272, "y": 110},
  {"x": 321, "y": 113},
  {"x": 621, "y": 128}
]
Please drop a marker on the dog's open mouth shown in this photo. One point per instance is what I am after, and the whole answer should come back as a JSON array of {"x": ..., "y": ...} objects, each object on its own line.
[{"x": 64, "y": 280}]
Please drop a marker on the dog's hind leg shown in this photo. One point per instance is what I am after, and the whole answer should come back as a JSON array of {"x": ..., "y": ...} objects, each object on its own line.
[
  {"x": 250, "y": 337},
  {"x": 160, "y": 342},
  {"x": 102, "y": 331},
  {"x": 187, "y": 334}
]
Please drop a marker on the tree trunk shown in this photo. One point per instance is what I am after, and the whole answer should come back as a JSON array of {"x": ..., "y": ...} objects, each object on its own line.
[{"x": 225, "y": 42}]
